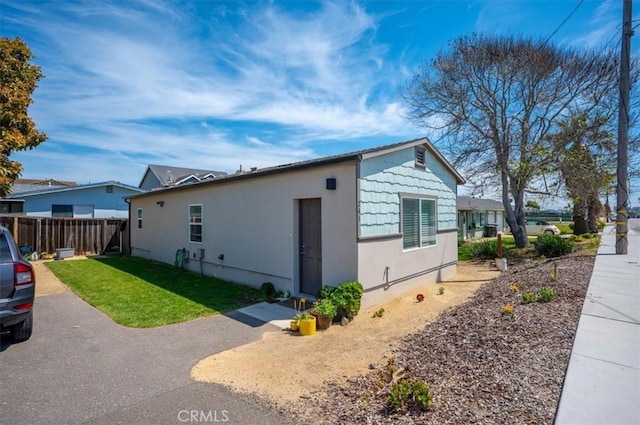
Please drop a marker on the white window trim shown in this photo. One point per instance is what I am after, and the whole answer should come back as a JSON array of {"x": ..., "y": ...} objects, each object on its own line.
[
  {"x": 419, "y": 198},
  {"x": 139, "y": 219},
  {"x": 201, "y": 224}
]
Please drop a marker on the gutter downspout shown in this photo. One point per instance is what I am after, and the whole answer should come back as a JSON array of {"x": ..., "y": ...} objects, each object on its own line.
[{"x": 128, "y": 201}]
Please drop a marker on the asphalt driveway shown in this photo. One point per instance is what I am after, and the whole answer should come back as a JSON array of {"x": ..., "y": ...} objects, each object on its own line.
[{"x": 79, "y": 367}]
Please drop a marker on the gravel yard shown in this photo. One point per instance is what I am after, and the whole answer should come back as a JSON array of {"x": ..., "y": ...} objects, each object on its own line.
[{"x": 481, "y": 365}]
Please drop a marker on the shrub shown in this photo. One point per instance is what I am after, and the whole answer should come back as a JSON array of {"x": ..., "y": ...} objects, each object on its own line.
[
  {"x": 267, "y": 290},
  {"x": 326, "y": 292},
  {"x": 545, "y": 295},
  {"x": 553, "y": 246},
  {"x": 485, "y": 250},
  {"x": 347, "y": 297},
  {"x": 420, "y": 395},
  {"x": 404, "y": 394},
  {"x": 441, "y": 290},
  {"x": 398, "y": 396}
]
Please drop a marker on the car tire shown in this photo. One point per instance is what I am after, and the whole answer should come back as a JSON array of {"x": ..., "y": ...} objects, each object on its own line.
[
  {"x": 549, "y": 232},
  {"x": 22, "y": 331}
]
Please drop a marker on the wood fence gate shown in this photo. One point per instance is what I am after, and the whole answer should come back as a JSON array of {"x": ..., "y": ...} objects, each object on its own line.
[{"x": 84, "y": 235}]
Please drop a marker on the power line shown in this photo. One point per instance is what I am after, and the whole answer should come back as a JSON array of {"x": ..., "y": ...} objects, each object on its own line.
[{"x": 565, "y": 21}]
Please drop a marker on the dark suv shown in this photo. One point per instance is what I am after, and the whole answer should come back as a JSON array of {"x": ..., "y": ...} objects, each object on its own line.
[{"x": 17, "y": 289}]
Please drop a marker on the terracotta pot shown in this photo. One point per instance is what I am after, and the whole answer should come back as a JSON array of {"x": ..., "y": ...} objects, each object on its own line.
[{"x": 323, "y": 321}]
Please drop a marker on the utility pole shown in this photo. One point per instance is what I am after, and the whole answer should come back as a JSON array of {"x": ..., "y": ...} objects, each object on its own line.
[{"x": 622, "y": 191}]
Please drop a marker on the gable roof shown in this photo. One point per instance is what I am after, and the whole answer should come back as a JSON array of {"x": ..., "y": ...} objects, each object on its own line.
[
  {"x": 334, "y": 159},
  {"x": 467, "y": 203},
  {"x": 29, "y": 185},
  {"x": 58, "y": 189},
  {"x": 170, "y": 176}
]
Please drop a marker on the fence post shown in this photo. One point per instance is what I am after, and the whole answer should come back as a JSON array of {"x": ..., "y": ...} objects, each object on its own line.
[
  {"x": 38, "y": 235},
  {"x": 15, "y": 228}
]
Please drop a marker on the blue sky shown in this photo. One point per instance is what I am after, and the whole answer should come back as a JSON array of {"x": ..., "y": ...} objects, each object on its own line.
[{"x": 217, "y": 84}]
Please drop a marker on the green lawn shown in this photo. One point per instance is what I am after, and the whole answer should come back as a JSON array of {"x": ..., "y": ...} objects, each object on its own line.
[{"x": 140, "y": 293}]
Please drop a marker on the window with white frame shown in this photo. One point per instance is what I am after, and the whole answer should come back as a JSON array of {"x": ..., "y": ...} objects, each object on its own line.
[
  {"x": 418, "y": 222},
  {"x": 139, "y": 218},
  {"x": 195, "y": 223}
]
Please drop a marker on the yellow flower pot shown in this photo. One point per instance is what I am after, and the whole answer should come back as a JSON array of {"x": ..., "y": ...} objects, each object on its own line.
[
  {"x": 294, "y": 325},
  {"x": 308, "y": 326}
]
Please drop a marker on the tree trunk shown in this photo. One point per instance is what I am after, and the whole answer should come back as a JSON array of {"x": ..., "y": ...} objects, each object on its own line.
[
  {"x": 515, "y": 214},
  {"x": 594, "y": 210},
  {"x": 580, "y": 225}
]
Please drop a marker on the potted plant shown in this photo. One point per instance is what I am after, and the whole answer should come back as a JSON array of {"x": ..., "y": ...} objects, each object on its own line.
[
  {"x": 298, "y": 306},
  {"x": 347, "y": 298},
  {"x": 303, "y": 320},
  {"x": 324, "y": 311}
]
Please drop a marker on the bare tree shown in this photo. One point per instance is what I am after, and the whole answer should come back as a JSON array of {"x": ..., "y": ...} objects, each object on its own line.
[{"x": 492, "y": 101}]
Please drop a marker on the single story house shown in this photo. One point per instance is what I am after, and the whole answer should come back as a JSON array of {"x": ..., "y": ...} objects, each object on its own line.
[
  {"x": 159, "y": 176},
  {"x": 479, "y": 218},
  {"x": 96, "y": 200},
  {"x": 384, "y": 216}
]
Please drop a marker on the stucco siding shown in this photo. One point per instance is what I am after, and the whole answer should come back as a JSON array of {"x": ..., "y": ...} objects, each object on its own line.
[
  {"x": 386, "y": 271},
  {"x": 384, "y": 178},
  {"x": 253, "y": 224}
]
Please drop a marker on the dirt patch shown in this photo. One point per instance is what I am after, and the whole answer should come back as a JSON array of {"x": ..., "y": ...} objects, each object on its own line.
[
  {"x": 46, "y": 282},
  {"x": 283, "y": 366}
]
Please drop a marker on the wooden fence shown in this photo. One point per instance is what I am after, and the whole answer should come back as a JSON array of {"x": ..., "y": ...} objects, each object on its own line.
[{"x": 84, "y": 235}]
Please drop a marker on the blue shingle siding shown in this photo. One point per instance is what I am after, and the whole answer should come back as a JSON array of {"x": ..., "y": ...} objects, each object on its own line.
[{"x": 384, "y": 178}]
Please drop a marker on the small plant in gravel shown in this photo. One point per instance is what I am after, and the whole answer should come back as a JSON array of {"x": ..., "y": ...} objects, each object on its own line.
[
  {"x": 529, "y": 297},
  {"x": 405, "y": 394},
  {"x": 554, "y": 272},
  {"x": 508, "y": 310},
  {"x": 545, "y": 295},
  {"x": 420, "y": 395},
  {"x": 398, "y": 396},
  {"x": 420, "y": 298},
  {"x": 514, "y": 288},
  {"x": 441, "y": 290},
  {"x": 379, "y": 312}
]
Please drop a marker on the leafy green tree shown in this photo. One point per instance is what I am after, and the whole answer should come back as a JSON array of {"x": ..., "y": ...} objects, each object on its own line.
[
  {"x": 18, "y": 80},
  {"x": 532, "y": 205},
  {"x": 584, "y": 148},
  {"x": 491, "y": 103}
]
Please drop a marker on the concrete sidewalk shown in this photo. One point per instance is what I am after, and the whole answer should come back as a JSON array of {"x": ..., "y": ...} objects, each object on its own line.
[{"x": 602, "y": 384}]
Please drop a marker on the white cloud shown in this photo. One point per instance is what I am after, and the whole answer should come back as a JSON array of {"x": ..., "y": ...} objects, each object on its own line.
[{"x": 132, "y": 80}]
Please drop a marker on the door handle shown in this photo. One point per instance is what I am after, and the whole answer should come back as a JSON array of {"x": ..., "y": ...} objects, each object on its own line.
[{"x": 302, "y": 252}]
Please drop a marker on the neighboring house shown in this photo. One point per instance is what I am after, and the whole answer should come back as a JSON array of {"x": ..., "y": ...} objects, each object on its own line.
[
  {"x": 159, "y": 176},
  {"x": 97, "y": 200},
  {"x": 16, "y": 206},
  {"x": 479, "y": 218},
  {"x": 385, "y": 217}
]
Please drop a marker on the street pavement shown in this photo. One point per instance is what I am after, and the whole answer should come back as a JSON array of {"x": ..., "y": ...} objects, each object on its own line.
[
  {"x": 79, "y": 367},
  {"x": 602, "y": 383}
]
